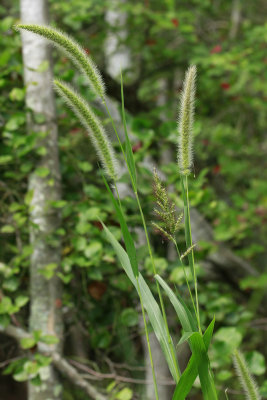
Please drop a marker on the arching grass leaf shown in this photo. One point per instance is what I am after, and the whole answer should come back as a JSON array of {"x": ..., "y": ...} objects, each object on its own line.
[{"x": 150, "y": 304}]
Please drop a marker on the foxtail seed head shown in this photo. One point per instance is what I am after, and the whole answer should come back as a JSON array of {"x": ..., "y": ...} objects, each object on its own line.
[
  {"x": 246, "y": 380},
  {"x": 72, "y": 49},
  {"x": 93, "y": 126},
  {"x": 165, "y": 211},
  {"x": 185, "y": 122},
  {"x": 188, "y": 251}
]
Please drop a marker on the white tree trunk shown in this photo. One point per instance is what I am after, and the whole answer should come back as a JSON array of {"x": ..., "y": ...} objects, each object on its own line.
[
  {"x": 45, "y": 313},
  {"x": 118, "y": 57}
]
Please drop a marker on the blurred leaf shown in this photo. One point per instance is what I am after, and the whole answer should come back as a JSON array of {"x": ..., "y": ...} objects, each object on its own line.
[
  {"x": 129, "y": 317},
  {"x": 49, "y": 339},
  {"x": 21, "y": 301},
  {"x": 27, "y": 342},
  {"x": 124, "y": 394},
  {"x": 255, "y": 362}
]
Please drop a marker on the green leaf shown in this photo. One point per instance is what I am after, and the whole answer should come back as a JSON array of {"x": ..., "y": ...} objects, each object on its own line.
[
  {"x": 6, "y": 306},
  {"x": 7, "y": 23},
  {"x": 150, "y": 304},
  {"x": 42, "y": 360},
  {"x": 190, "y": 373},
  {"x": 208, "y": 334},
  {"x": 4, "y": 321},
  {"x": 255, "y": 362},
  {"x": 21, "y": 376},
  {"x": 42, "y": 172},
  {"x": 58, "y": 203},
  {"x": 129, "y": 317},
  {"x": 49, "y": 339},
  {"x": 185, "y": 338},
  {"x": 37, "y": 335},
  {"x": 183, "y": 313},
  {"x": 85, "y": 166},
  {"x": 41, "y": 151},
  {"x": 92, "y": 249},
  {"x": 227, "y": 339},
  {"x": 15, "y": 122},
  {"x": 129, "y": 243},
  {"x": 202, "y": 360},
  {"x": 5, "y": 159},
  {"x": 124, "y": 394},
  {"x": 101, "y": 339},
  {"x": 159, "y": 262},
  {"x": 36, "y": 380},
  {"x": 48, "y": 270},
  {"x": 28, "y": 197},
  {"x": 66, "y": 278},
  {"x": 263, "y": 389},
  {"x": 27, "y": 343},
  {"x": 21, "y": 301},
  {"x": 80, "y": 243},
  {"x": 224, "y": 375},
  {"x": 129, "y": 151},
  {"x": 31, "y": 368},
  {"x": 17, "y": 94},
  {"x": 43, "y": 66},
  {"x": 7, "y": 229}
]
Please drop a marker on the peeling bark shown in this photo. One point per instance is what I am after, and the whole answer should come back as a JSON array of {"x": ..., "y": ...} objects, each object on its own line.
[{"x": 44, "y": 219}]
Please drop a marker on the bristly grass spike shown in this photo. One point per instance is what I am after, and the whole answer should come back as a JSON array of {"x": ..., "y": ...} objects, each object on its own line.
[
  {"x": 72, "y": 49},
  {"x": 93, "y": 126},
  {"x": 245, "y": 377},
  {"x": 185, "y": 122}
]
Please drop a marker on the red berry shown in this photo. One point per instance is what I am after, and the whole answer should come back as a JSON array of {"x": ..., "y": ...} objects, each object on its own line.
[
  {"x": 175, "y": 22},
  {"x": 225, "y": 85},
  {"x": 98, "y": 225},
  {"x": 97, "y": 289},
  {"x": 151, "y": 42},
  {"x": 58, "y": 303},
  {"x": 216, "y": 49},
  {"x": 216, "y": 169},
  {"x": 137, "y": 146},
  {"x": 74, "y": 131}
]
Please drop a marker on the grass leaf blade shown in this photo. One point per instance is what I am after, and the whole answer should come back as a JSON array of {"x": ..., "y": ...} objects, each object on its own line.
[
  {"x": 128, "y": 240},
  {"x": 190, "y": 373},
  {"x": 202, "y": 360},
  {"x": 129, "y": 151},
  {"x": 183, "y": 313},
  {"x": 149, "y": 302}
]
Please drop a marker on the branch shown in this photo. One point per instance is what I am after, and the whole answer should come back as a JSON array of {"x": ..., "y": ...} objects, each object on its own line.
[
  {"x": 99, "y": 375},
  {"x": 60, "y": 363},
  {"x": 65, "y": 368}
]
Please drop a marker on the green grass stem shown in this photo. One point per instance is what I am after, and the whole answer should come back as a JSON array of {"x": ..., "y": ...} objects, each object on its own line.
[
  {"x": 148, "y": 343},
  {"x": 147, "y": 239},
  {"x": 188, "y": 239}
]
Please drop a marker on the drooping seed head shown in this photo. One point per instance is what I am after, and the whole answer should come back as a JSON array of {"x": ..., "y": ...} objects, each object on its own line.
[
  {"x": 72, "y": 49},
  {"x": 93, "y": 126},
  {"x": 185, "y": 122}
]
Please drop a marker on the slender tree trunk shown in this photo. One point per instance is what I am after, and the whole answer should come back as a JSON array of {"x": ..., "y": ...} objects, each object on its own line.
[
  {"x": 118, "y": 56},
  {"x": 45, "y": 313},
  {"x": 235, "y": 19}
]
